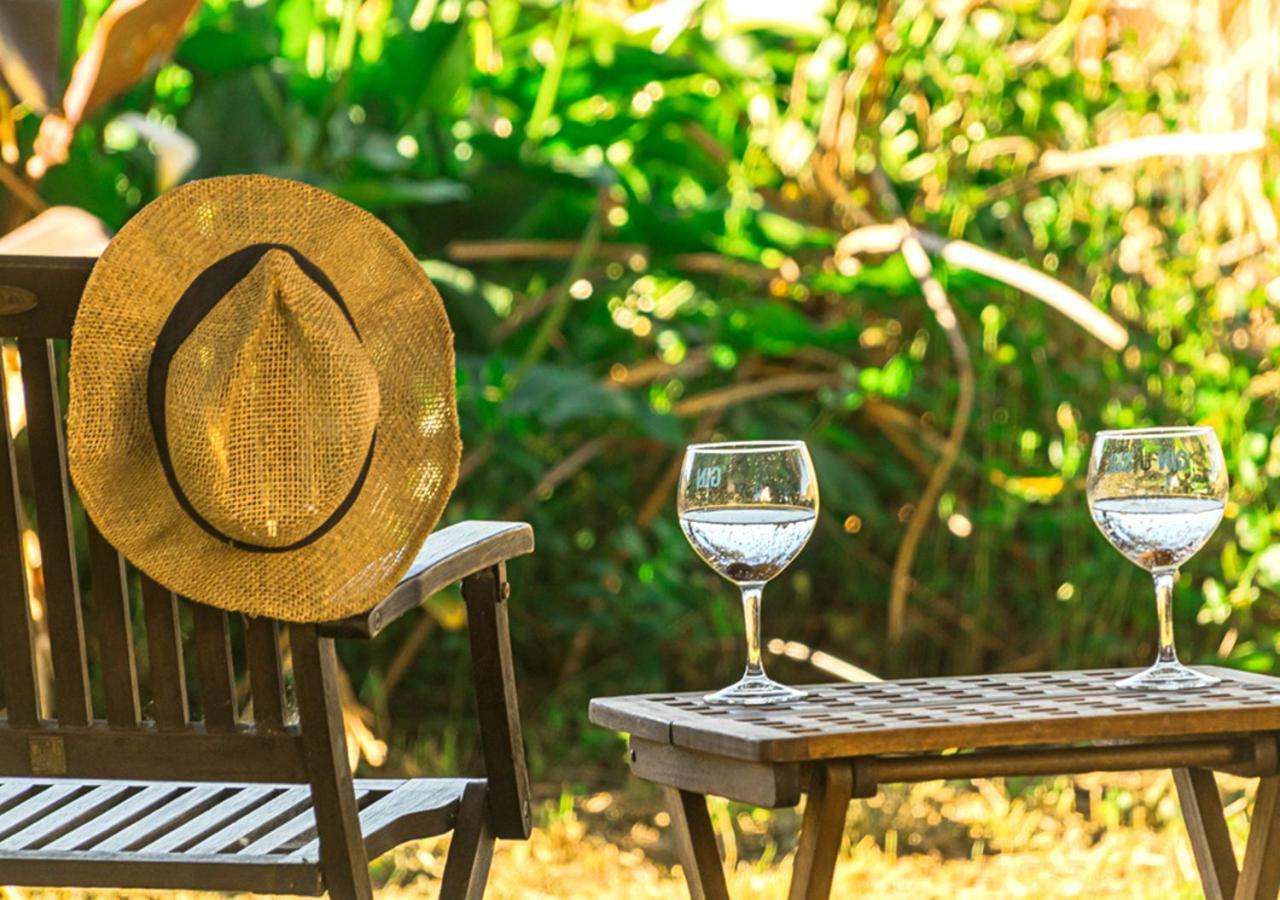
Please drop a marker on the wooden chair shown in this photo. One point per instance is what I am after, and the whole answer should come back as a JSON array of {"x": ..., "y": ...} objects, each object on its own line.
[{"x": 118, "y": 794}]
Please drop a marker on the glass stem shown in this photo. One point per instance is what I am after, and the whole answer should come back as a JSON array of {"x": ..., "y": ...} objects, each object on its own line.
[
  {"x": 1164, "y": 614},
  {"x": 751, "y": 593}
]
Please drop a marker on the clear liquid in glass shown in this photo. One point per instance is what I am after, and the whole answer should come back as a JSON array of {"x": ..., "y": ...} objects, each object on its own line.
[
  {"x": 1158, "y": 533},
  {"x": 748, "y": 544},
  {"x": 747, "y": 509},
  {"x": 1157, "y": 494}
]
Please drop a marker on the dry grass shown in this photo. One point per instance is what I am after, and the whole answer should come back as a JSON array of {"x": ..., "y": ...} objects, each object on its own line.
[{"x": 1096, "y": 836}]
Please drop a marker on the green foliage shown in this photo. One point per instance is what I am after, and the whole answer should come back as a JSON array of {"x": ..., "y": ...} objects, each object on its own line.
[{"x": 691, "y": 274}]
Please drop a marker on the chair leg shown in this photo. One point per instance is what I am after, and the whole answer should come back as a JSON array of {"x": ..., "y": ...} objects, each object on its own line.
[
  {"x": 1207, "y": 828},
  {"x": 696, "y": 844},
  {"x": 466, "y": 870},
  {"x": 830, "y": 790},
  {"x": 344, "y": 862},
  {"x": 1260, "y": 874}
]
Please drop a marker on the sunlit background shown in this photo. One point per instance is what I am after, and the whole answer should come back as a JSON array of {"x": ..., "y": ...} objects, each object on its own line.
[{"x": 942, "y": 242}]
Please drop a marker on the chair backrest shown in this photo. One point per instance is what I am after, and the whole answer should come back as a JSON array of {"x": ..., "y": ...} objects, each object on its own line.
[{"x": 110, "y": 676}]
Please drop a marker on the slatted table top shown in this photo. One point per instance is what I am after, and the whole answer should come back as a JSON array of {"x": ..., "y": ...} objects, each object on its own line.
[{"x": 924, "y": 715}]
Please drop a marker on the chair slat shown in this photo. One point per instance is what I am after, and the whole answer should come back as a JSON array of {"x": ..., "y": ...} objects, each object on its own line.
[
  {"x": 418, "y": 800},
  {"x": 11, "y": 790},
  {"x": 16, "y": 658},
  {"x": 211, "y": 819},
  {"x": 92, "y": 831},
  {"x": 239, "y": 833},
  {"x": 217, "y": 675},
  {"x": 289, "y": 836},
  {"x": 57, "y": 542},
  {"x": 67, "y": 817},
  {"x": 173, "y": 813},
  {"x": 34, "y": 807},
  {"x": 115, "y": 631},
  {"x": 266, "y": 678},
  {"x": 164, "y": 653}
]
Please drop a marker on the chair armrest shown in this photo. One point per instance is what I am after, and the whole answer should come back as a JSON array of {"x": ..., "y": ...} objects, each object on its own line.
[
  {"x": 447, "y": 557},
  {"x": 474, "y": 553}
]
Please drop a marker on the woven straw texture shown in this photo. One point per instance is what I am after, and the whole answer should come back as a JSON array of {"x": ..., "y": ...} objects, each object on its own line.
[{"x": 271, "y": 402}]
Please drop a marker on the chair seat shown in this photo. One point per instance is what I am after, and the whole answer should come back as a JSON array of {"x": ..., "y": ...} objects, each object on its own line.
[{"x": 188, "y": 835}]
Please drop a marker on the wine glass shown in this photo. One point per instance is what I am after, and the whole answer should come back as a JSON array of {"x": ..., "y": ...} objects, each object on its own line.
[
  {"x": 1158, "y": 494},
  {"x": 748, "y": 508}
]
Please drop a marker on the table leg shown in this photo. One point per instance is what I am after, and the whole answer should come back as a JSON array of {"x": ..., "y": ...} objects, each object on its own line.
[
  {"x": 830, "y": 790},
  {"x": 696, "y": 844},
  {"x": 1207, "y": 828},
  {"x": 1260, "y": 874}
]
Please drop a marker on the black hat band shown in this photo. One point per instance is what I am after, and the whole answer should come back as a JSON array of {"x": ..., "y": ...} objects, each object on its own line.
[{"x": 199, "y": 299}]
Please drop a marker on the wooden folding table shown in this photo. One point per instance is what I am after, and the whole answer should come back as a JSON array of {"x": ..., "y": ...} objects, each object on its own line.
[{"x": 845, "y": 740}]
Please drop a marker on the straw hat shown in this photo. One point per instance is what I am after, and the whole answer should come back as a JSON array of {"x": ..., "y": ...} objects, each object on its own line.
[{"x": 262, "y": 409}]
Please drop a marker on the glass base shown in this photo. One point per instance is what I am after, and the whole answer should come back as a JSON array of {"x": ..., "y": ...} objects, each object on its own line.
[
  {"x": 1167, "y": 676},
  {"x": 754, "y": 690}
]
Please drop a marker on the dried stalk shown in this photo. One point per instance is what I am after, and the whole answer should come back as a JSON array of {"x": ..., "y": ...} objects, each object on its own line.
[
  {"x": 883, "y": 416},
  {"x": 912, "y": 243},
  {"x": 1179, "y": 145},
  {"x": 535, "y": 250},
  {"x": 696, "y": 362},
  {"x": 710, "y": 406},
  {"x": 940, "y": 305},
  {"x": 723, "y": 398},
  {"x": 1064, "y": 299},
  {"x": 536, "y": 307},
  {"x": 1071, "y": 303},
  {"x": 715, "y": 264},
  {"x": 474, "y": 460},
  {"x": 406, "y": 653},
  {"x": 356, "y": 722},
  {"x": 21, "y": 190},
  {"x": 657, "y": 498},
  {"x": 1183, "y": 145},
  {"x": 560, "y": 473},
  {"x": 560, "y": 305},
  {"x": 875, "y": 83}
]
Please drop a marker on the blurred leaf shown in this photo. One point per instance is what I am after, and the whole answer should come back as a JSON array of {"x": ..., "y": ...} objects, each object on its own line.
[
  {"x": 559, "y": 396},
  {"x": 30, "y": 31},
  {"x": 227, "y": 46},
  {"x": 1268, "y": 563},
  {"x": 845, "y": 489},
  {"x": 131, "y": 38},
  {"x": 205, "y": 120},
  {"x": 176, "y": 153},
  {"x": 790, "y": 234}
]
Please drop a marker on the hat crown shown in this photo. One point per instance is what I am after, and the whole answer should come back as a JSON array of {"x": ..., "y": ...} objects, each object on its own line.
[{"x": 271, "y": 403}]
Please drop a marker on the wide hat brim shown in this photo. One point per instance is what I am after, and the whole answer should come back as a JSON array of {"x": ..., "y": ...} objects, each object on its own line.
[{"x": 113, "y": 455}]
